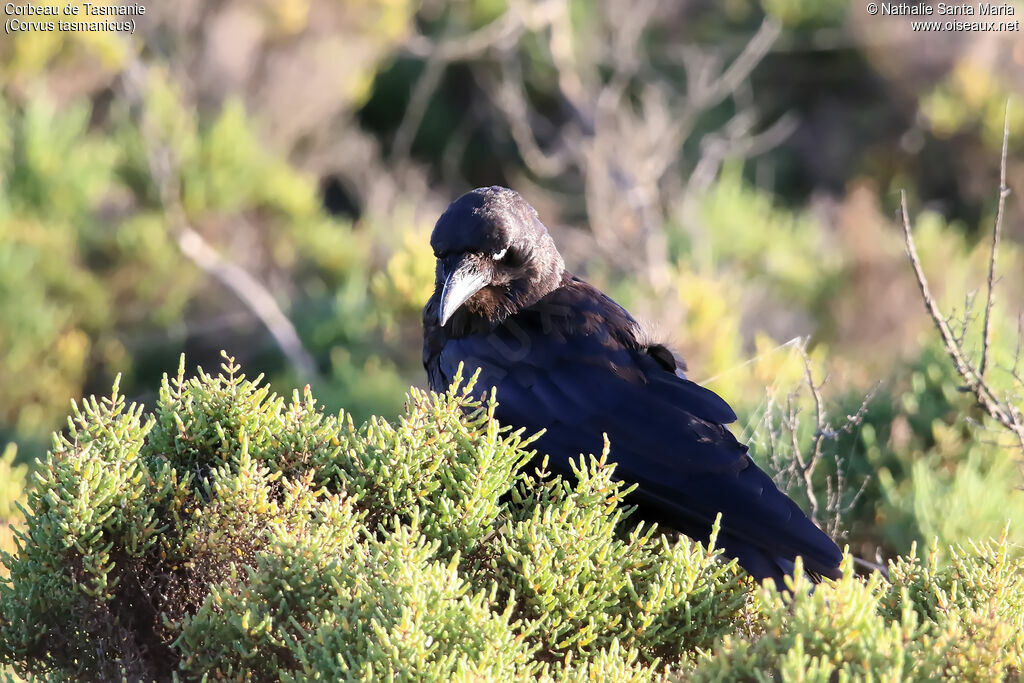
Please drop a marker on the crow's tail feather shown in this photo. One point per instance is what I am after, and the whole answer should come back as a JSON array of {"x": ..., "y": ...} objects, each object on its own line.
[{"x": 761, "y": 564}]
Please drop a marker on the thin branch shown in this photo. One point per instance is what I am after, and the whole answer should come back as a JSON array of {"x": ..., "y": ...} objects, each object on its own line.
[
  {"x": 509, "y": 96},
  {"x": 795, "y": 465},
  {"x": 439, "y": 55},
  {"x": 963, "y": 365},
  {"x": 194, "y": 247},
  {"x": 716, "y": 149},
  {"x": 505, "y": 27},
  {"x": 252, "y": 293},
  {"x": 425, "y": 86},
  {"x": 871, "y": 566},
  {"x": 1004, "y": 191},
  {"x": 710, "y": 95},
  {"x": 1004, "y": 414},
  {"x": 821, "y": 432},
  {"x": 623, "y": 124}
]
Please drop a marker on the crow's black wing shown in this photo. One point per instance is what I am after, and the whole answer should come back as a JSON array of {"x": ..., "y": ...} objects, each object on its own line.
[{"x": 571, "y": 365}]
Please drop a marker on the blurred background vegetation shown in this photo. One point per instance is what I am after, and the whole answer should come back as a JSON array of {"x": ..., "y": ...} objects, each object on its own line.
[{"x": 262, "y": 177}]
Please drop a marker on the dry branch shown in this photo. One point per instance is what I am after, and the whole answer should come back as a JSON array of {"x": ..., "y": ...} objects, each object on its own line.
[
  {"x": 1000, "y": 409},
  {"x": 794, "y": 465},
  {"x": 622, "y": 123},
  {"x": 1004, "y": 191},
  {"x": 194, "y": 247}
]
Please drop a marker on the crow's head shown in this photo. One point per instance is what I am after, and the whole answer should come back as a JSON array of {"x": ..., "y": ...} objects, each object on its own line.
[{"x": 494, "y": 256}]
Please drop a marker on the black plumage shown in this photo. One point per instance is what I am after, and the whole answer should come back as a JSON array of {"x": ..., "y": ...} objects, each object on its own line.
[{"x": 565, "y": 358}]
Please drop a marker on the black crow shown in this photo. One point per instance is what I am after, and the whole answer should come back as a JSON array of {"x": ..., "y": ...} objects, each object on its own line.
[{"x": 565, "y": 358}]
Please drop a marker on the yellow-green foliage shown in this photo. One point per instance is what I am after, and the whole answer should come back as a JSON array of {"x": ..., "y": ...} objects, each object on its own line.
[
  {"x": 231, "y": 534},
  {"x": 933, "y": 473},
  {"x": 49, "y": 303},
  {"x": 89, "y": 268},
  {"x": 788, "y": 253},
  {"x": 961, "y": 621},
  {"x": 90, "y": 276},
  {"x": 973, "y": 95}
]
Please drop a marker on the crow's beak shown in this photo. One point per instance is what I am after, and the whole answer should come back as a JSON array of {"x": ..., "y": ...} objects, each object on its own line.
[{"x": 463, "y": 282}]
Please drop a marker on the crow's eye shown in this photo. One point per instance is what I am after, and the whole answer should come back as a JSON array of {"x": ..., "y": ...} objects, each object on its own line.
[{"x": 498, "y": 255}]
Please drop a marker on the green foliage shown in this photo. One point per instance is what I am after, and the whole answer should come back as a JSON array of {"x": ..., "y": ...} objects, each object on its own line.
[
  {"x": 805, "y": 14},
  {"x": 961, "y": 621},
  {"x": 585, "y": 585},
  {"x": 971, "y": 96},
  {"x": 787, "y": 253},
  {"x": 90, "y": 276},
  {"x": 50, "y": 305},
  {"x": 90, "y": 271},
  {"x": 236, "y": 535},
  {"x": 933, "y": 465}
]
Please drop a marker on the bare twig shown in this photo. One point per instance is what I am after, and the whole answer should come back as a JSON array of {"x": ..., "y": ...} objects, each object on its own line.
[
  {"x": 622, "y": 123},
  {"x": 716, "y": 149},
  {"x": 1002, "y": 411},
  {"x": 439, "y": 55},
  {"x": 821, "y": 431},
  {"x": 1004, "y": 191},
  {"x": 871, "y": 566},
  {"x": 753, "y": 52},
  {"x": 1005, "y": 415},
  {"x": 510, "y": 96},
  {"x": 453, "y": 49},
  {"x": 425, "y": 86},
  {"x": 794, "y": 464},
  {"x": 248, "y": 289},
  {"x": 252, "y": 293}
]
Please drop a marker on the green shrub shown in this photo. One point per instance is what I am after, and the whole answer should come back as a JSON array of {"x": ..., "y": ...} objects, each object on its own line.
[
  {"x": 231, "y": 534},
  {"x": 236, "y": 535},
  {"x": 959, "y": 621}
]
